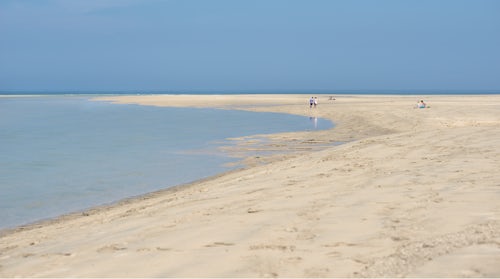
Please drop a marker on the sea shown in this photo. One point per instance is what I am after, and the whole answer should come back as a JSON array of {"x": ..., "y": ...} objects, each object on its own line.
[{"x": 63, "y": 153}]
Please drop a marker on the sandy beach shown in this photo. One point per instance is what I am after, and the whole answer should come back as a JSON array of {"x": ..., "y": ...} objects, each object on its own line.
[{"x": 390, "y": 191}]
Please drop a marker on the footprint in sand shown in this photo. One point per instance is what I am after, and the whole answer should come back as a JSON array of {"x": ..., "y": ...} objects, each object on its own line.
[
  {"x": 218, "y": 244},
  {"x": 292, "y": 260},
  {"x": 147, "y": 249},
  {"x": 27, "y": 255},
  {"x": 112, "y": 248},
  {"x": 306, "y": 235},
  {"x": 317, "y": 272},
  {"x": 270, "y": 275},
  {"x": 334, "y": 254},
  {"x": 284, "y": 248},
  {"x": 143, "y": 250},
  {"x": 337, "y": 244},
  {"x": 163, "y": 249}
]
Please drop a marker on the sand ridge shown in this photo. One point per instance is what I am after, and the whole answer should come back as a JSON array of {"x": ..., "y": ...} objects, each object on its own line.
[{"x": 410, "y": 192}]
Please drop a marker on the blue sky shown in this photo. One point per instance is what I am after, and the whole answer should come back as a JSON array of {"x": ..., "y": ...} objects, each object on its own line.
[{"x": 249, "y": 45}]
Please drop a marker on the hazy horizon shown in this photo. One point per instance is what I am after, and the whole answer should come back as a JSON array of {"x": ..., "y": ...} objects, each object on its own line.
[
  {"x": 204, "y": 92},
  {"x": 249, "y": 46}
]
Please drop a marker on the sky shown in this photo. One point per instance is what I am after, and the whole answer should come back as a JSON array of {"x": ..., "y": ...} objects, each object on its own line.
[{"x": 249, "y": 45}]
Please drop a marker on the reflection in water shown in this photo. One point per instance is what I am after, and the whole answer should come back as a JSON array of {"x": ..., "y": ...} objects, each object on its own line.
[{"x": 314, "y": 120}]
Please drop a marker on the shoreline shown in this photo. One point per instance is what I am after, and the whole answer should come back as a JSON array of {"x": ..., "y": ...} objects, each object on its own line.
[
  {"x": 228, "y": 148},
  {"x": 115, "y": 98},
  {"x": 105, "y": 207},
  {"x": 415, "y": 188}
]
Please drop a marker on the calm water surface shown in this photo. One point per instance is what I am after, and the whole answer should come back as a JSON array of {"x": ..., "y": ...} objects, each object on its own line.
[{"x": 60, "y": 154}]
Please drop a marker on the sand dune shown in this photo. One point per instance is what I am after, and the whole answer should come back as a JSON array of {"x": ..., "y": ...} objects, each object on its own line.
[{"x": 409, "y": 192}]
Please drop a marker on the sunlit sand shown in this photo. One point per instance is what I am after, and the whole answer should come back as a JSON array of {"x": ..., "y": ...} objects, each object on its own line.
[{"x": 408, "y": 192}]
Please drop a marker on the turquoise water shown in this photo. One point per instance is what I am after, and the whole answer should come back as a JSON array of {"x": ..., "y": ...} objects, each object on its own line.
[{"x": 60, "y": 154}]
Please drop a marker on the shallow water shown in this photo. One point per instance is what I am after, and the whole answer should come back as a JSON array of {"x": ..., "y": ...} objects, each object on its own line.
[{"x": 60, "y": 154}]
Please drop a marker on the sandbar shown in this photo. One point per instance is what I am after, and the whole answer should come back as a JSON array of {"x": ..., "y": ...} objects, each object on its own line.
[{"x": 390, "y": 191}]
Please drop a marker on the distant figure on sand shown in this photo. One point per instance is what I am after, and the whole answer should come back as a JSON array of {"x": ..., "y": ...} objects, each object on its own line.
[
  {"x": 311, "y": 102},
  {"x": 421, "y": 104},
  {"x": 315, "y": 101}
]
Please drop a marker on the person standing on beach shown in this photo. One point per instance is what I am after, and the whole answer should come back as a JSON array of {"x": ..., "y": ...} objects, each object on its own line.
[
  {"x": 315, "y": 101},
  {"x": 311, "y": 102}
]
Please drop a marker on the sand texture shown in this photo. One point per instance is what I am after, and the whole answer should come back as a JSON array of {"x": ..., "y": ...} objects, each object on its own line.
[{"x": 410, "y": 192}]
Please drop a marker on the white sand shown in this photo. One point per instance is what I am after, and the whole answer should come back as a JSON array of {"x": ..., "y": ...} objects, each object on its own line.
[{"x": 413, "y": 192}]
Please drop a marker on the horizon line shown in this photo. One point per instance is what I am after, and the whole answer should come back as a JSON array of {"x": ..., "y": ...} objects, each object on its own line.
[{"x": 279, "y": 91}]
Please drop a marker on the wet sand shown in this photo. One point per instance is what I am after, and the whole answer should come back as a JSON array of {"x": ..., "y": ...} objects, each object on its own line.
[{"x": 410, "y": 192}]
